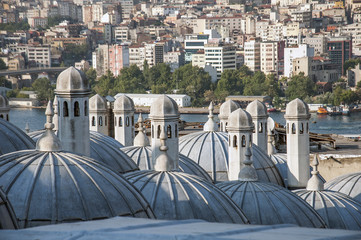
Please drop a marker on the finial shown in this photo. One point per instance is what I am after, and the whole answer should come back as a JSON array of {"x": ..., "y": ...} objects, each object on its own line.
[
  {"x": 141, "y": 140},
  {"x": 210, "y": 125},
  {"x": 55, "y": 117},
  {"x": 163, "y": 162},
  {"x": 27, "y": 128},
  {"x": 248, "y": 173},
  {"x": 315, "y": 183},
  {"x": 48, "y": 142}
]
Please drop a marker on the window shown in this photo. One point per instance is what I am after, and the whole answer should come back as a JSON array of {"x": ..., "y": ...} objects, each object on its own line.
[
  {"x": 260, "y": 128},
  {"x": 93, "y": 121},
  {"x": 100, "y": 121},
  {"x": 169, "y": 131},
  {"x": 1, "y": 116},
  {"x": 152, "y": 131},
  {"x": 293, "y": 128},
  {"x": 132, "y": 120},
  {"x": 243, "y": 141},
  {"x": 120, "y": 122},
  {"x": 235, "y": 141},
  {"x": 301, "y": 129},
  {"x": 85, "y": 108},
  {"x": 127, "y": 121},
  {"x": 76, "y": 109},
  {"x": 65, "y": 110},
  {"x": 158, "y": 132},
  {"x": 176, "y": 131}
]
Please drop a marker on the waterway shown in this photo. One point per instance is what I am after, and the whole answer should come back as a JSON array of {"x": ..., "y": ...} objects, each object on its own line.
[{"x": 318, "y": 123}]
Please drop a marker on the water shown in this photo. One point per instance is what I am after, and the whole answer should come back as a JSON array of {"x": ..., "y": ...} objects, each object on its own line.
[{"x": 318, "y": 123}]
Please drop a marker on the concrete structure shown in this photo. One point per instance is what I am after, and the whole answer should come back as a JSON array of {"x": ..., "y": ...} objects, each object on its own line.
[
  {"x": 38, "y": 56},
  {"x": 224, "y": 111},
  {"x": 339, "y": 50},
  {"x": 220, "y": 56},
  {"x": 258, "y": 112},
  {"x": 271, "y": 53},
  {"x": 124, "y": 120},
  {"x": 98, "y": 114},
  {"x": 182, "y": 100},
  {"x": 354, "y": 76},
  {"x": 302, "y": 50},
  {"x": 252, "y": 55},
  {"x": 298, "y": 150},
  {"x": 318, "y": 42}
]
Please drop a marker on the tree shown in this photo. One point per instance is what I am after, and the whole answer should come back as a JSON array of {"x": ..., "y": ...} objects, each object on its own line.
[
  {"x": 13, "y": 27},
  {"x": 105, "y": 84},
  {"x": 43, "y": 89},
  {"x": 130, "y": 80},
  {"x": 91, "y": 75},
  {"x": 75, "y": 53},
  {"x": 229, "y": 84},
  {"x": 3, "y": 65},
  {"x": 158, "y": 78},
  {"x": 300, "y": 86},
  {"x": 351, "y": 63}
]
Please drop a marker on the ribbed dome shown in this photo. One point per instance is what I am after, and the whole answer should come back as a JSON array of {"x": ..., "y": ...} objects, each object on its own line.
[
  {"x": 142, "y": 156},
  {"x": 104, "y": 149},
  {"x": 240, "y": 120},
  {"x": 7, "y": 215},
  {"x": 349, "y": 184},
  {"x": 267, "y": 203},
  {"x": 210, "y": 151},
  {"x": 56, "y": 187},
  {"x": 297, "y": 108},
  {"x": 123, "y": 103},
  {"x": 4, "y": 104},
  {"x": 72, "y": 80},
  {"x": 227, "y": 108},
  {"x": 164, "y": 107},
  {"x": 177, "y": 195},
  {"x": 337, "y": 209},
  {"x": 13, "y": 139},
  {"x": 257, "y": 109},
  {"x": 97, "y": 103}
]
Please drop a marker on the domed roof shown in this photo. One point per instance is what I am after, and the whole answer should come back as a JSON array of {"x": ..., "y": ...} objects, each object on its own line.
[
  {"x": 349, "y": 184},
  {"x": 257, "y": 109},
  {"x": 72, "y": 80},
  {"x": 56, "y": 187},
  {"x": 266, "y": 203},
  {"x": 162, "y": 107},
  {"x": 4, "y": 103},
  {"x": 13, "y": 139},
  {"x": 142, "y": 156},
  {"x": 7, "y": 215},
  {"x": 177, "y": 195},
  {"x": 210, "y": 151},
  {"x": 97, "y": 103},
  {"x": 240, "y": 120},
  {"x": 297, "y": 108},
  {"x": 123, "y": 103},
  {"x": 227, "y": 108}
]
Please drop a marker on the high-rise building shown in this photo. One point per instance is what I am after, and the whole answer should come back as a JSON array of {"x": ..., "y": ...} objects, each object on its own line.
[
  {"x": 302, "y": 50},
  {"x": 339, "y": 50},
  {"x": 271, "y": 55},
  {"x": 220, "y": 56},
  {"x": 252, "y": 58}
]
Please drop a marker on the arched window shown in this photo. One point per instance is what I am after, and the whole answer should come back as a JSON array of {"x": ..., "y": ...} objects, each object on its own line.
[
  {"x": 106, "y": 120},
  {"x": 120, "y": 122},
  {"x": 152, "y": 131},
  {"x": 243, "y": 141},
  {"x": 65, "y": 110},
  {"x": 158, "y": 131},
  {"x": 115, "y": 121},
  {"x": 100, "y": 121},
  {"x": 307, "y": 127},
  {"x": 169, "y": 131},
  {"x": 76, "y": 109},
  {"x": 58, "y": 107},
  {"x": 260, "y": 128},
  {"x": 1, "y": 116},
  {"x": 176, "y": 131},
  {"x": 127, "y": 121},
  {"x": 293, "y": 128},
  {"x": 132, "y": 120},
  {"x": 7, "y": 117},
  {"x": 85, "y": 108},
  {"x": 301, "y": 129},
  {"x": 93, "y": 121},
  {"x": 235, "y": 141}
]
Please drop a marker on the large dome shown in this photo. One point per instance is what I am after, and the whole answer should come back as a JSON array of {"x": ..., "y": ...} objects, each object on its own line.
[
  {"x": 177, "y": 195},
  {"x": 97, "y": 103},
  {"x": 268, "y": 204},
  {"x": 7, "y": 215},
  {"x": 210, "y": 151},
  {"x": 164, "y": 107},
  {"x": 72, "y": 80},
  {"x": 13, "y": 139},
  {"x": 142, "y": 156},
  {"x": 349, "y": 184},
  {"x": 56, "y": 187}
]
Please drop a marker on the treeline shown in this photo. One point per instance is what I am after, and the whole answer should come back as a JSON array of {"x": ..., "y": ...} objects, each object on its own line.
[{"x": 13, "y": 27}]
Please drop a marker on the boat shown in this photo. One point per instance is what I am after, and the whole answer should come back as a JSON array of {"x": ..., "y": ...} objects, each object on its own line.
[
  {"x": 345, "y": 110},
  {"x": 334, "y": 110},
  {"x": 271, "y": 108},
  {"x": 322, "y": 110}
]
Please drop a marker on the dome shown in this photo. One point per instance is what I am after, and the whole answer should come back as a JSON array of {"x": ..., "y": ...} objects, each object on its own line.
[
  {"x": 349, "y": 184},
  {"x": 297, "y": 109},
  {"x": 13, "y": 139},
  {"x": 57, "y": 187},
  {"x": 97, "y": 103},
  {"x": 257, "y": 109},
  {"x": 210, "y": 151},
  {"x": 164, "y": 107},
  {"x": 240, "y": 120},
  {"x": 227, "y": 108},
  {"x": 142, "y": 156},
  {"x": 123, "y": 103},
  {"x": 4, "y": 104},
  {"x": 178, "y": 196},
  {"x": 267, "y": 204},
  {"x": 72, "y": 80},
  {"x": 7, "y": 215}
]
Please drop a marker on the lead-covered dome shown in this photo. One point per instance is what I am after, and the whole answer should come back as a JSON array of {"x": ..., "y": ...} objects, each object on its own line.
[
  {"x": 210, "y": 151},
  {"x": 13, "y": 139},
  {"x": 177, "y": 195},
  {"x": 164, "y": 107},
  {"x": 7, "y": 215},
  {"x": 257, "y": 109},
  {"x": 72, "y": 80},
  {"x": 297, "y": 108},
  {"x": 4, "y": 104},
  {"x": 97, "y": 103},
  {"x": 142, "y": 156},
  {"x": 349, "y": 184},
  {"x": 240, "y": 120},
  {"x": 123, "y": 103},
  {"x": 227, "y": 108}
]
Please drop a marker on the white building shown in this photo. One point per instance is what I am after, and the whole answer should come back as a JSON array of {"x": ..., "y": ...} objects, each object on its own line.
[
  {"x": 269, "y": 57},
  {"x": 302, "y": 50},
  {"x": 252, "y": 54},
  {"x": 182, "y": 100},
  {"x": 220, "y": 56}
]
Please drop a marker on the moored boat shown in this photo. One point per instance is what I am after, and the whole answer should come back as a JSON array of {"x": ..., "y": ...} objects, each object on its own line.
[{"x": 321, "y": 110}]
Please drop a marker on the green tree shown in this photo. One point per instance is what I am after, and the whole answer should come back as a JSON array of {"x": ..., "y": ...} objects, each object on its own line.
[
  {"x": 256, "y": 85},
  {"x": 75, "y": 53},
  {"x": 105, "y": 84},
  {"x": 229, "y": 84},
  {"x": 43, "y": 89},
  {"x": 300, "y": 86},
  {"x": 12, "y": 27},
  {"x": 3, "y": 65},
  {"x": 91, "y": 75},
  {"x": 158, "y": 78},
  {"x": 130, "y": 80},
  {"x": 351, "y": 63}
]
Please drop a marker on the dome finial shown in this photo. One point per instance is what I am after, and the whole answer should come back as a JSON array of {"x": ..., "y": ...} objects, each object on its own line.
[
  {"x": 55, "y": 117},
  {"x": 141, "y": 140},
  {"x": 27, "y": 128},
  {"x": 248, "y": 173},
  {"x": 163, "y": 161},
  {"x": 315, "y": 183},
  {"x": 48, "y": 142},
  {"x": 210, "y": 125}
]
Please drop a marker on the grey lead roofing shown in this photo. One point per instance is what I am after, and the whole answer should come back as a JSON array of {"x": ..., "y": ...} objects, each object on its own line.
[
  {"x": 7, "y": 215},
  {"x": 349, "y": 184}
]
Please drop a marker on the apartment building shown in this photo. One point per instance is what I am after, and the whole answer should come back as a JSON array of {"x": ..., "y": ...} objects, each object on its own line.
[
  {"x": 339, "y": 50},
  {"x": 317, "y": 41},
  {"x": 137, "y": 55},
  {"x": 271, "y": 54},
  {"x": 38, "y": 56},
  {"x": 252, "y": 51},
  {"x": 220, "y": 56},
  {"x": 298, "y": 51}
]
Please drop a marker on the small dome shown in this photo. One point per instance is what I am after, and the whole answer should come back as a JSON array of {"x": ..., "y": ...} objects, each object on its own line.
[
  {"x": 142, "y": 156},
  {"x": 178, "y": 196},
  {"x": 210, "y": 151},
  {"x": 72, "y": 80},
  {"x": 124, "y": 103},
  {"x": 337, "y": 209},
  {"x": 7, "y": 215},
  {"x": 240, "y": 120},
  {"x": 257, "y": 109},
  {"x": 4, "y": 103},
  {"x": 162, "y": 107},
  {"x": 349, "y": 184},
  {"x": 227, "y": 108},
  {"x": 97, "y": 103},
  {"x": 267, "y": 204},
  {"x": 57, "y": 187},
  {"x": 297, "y": 109},
  {"x": 13, "y": 139}
]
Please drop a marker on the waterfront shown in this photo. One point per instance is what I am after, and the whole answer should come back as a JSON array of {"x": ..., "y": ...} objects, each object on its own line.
[{"x": 318, "y": 123}]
